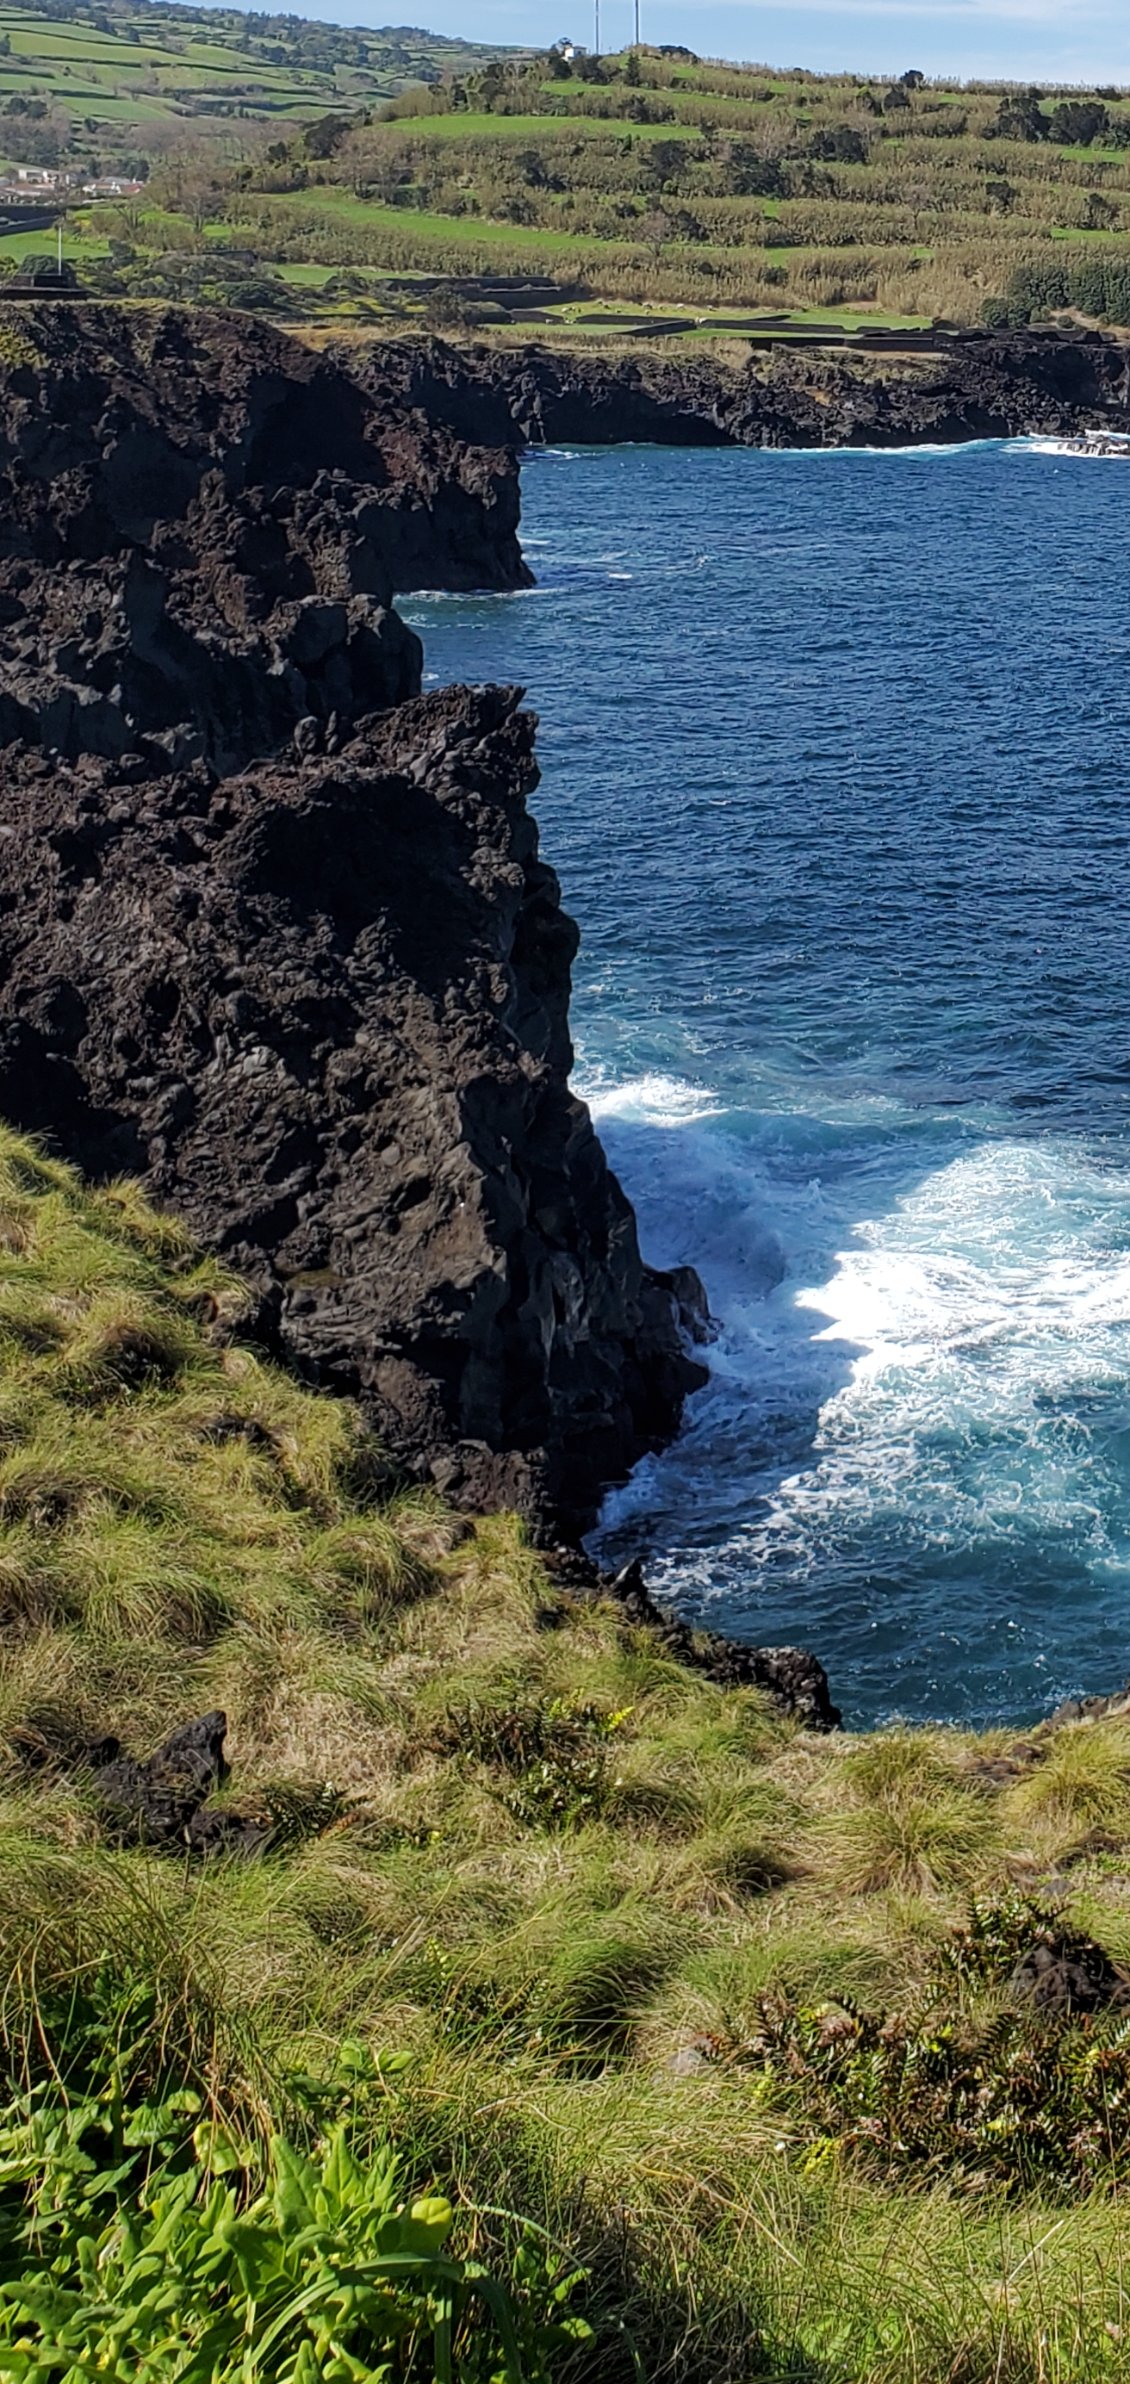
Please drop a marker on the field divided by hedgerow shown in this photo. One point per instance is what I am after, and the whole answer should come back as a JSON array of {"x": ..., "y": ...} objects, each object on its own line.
[
  {"x": 741, "y": 188},
  {"x": 647, "y": 179},
  {"x": 80, "y": 69}
]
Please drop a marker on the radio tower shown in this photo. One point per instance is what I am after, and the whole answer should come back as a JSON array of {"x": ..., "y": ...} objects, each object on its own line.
[
  {"x": 637, "y": 39},
  {"x": 596, "y": 33}
]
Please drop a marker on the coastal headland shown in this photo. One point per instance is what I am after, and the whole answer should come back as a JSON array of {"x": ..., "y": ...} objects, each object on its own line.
[
  {"x": 215, "y": 739},
  {"x": 420, "y": 1955}
]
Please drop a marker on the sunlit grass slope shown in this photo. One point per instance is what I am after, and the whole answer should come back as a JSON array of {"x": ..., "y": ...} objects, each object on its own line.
[
  {"x": 596, "y": 1941},
  {"x": 644, "y": 178},
  {"x": 125, "y": 68}
]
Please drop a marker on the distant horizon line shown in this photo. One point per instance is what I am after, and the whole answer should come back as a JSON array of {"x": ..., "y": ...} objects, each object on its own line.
[{"x": 1066, "y": 79}]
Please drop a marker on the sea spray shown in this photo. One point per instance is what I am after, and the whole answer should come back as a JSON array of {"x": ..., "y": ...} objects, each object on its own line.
[{"x": 837, "y": 790}]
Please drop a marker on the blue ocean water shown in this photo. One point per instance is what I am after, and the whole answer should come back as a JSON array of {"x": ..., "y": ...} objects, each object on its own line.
[{"x": 836, "y": 756}]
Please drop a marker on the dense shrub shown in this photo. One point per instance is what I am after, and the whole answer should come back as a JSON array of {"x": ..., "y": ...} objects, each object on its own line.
[
  {"x": 1097, "y": 284},
  {"x": 132, "y": 2247},
  {"x": 1024, "y": 2094},
  {"x": 552, "y": 1753}
]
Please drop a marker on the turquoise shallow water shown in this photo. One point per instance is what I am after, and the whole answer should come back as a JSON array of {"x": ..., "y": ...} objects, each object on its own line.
[{"x": 837, "y": 780}]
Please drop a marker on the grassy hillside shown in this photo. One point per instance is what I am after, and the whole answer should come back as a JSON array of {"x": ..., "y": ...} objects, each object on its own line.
[
  {"x": 710, "y": 2033},
  {"x": 637, "y": 182},
  {"x": 123, "y": 71},
  {"x": 715, "y": 186}
]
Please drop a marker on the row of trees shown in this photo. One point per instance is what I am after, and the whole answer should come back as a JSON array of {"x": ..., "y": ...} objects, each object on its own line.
[
  {"x": 645, "y": 88},
  {"x": 379, "y": 156}
]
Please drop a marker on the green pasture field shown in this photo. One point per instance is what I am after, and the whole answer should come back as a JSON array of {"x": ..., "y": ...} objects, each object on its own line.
[
  {"x": 369, "y": 215},
  {"x": 78, "y": 247},
  {"x": 74, "y": 63},
  {"x": 472, "y": 125},
  {"x": 306, "y": 277}
]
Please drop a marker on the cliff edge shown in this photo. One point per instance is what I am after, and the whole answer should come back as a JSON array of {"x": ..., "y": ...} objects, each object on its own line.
[
  {"x": 274, "y": 930},
  {"x": 981, "y": 388}
]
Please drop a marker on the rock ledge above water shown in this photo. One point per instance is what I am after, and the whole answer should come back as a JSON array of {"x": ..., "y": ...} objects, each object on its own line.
[{"x": 274, "y": 930}]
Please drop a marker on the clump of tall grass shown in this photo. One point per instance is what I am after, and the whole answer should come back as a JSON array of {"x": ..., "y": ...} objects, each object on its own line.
[
  {"x": 540, "y": 1879},
  {"x": 157, "y": 1482},
  {"x": 908, "y": 1819},
  {"x": 1077, "y": 1795}
]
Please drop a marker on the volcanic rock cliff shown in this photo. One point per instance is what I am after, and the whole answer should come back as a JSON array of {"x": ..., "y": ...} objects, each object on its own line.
[
  {"x": 985, "y": 387},
  {"x": 201, "y": 530},
  {"x": 274, "y": 932}
]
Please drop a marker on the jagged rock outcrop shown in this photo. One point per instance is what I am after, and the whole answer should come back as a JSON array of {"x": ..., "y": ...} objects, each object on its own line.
[
  {"x": 274, "y": 932},
  {"x": 322, "y": 1006},
  {"x": 156, "y": 1800},
  {"x": 1114, "y": 1706},
  {"x": 202, "y": 527},
  {"x": 1063, "y": 1971},
  {"x": 791, "y": 1677},
  {"x": 986, "y": 387},
  {"x": 161, "y": 1801}
]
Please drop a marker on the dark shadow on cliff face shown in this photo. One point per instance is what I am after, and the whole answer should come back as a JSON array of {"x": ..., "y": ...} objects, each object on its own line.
[
  {"x": 204, "y": 526},
  {"x": 982, "y": 387},
  {"x": 43, "y": 1093},
  {"x": 321, "y": 1006}
]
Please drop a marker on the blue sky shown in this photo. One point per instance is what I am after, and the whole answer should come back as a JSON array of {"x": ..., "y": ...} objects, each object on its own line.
[{"x": 1072, "y": 41}]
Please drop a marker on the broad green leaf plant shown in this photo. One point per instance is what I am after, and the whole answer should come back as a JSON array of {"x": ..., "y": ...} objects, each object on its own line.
[{"x": 328, "y": 2277}]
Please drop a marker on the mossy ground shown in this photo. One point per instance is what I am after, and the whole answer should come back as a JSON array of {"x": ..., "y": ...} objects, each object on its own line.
[{"x": 557, "y": 1872}]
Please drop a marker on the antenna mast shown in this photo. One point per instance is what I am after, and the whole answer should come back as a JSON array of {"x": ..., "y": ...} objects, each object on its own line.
[
  {"x": 596, "y": 34},
  {"x": 637, "y": 39}
]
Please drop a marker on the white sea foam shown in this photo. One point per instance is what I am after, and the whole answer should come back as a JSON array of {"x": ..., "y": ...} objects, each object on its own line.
[
  {"x": 952, "y": 448},
  {"x": 655, "y": 1100},
  {"x": 947, "y": 1364},
  {"x": 466, "y": 599},
  {"x": 1044, "y": 446}
]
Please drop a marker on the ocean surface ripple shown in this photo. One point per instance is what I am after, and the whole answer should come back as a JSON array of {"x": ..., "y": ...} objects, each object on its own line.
[{"x": 836, "y": 758}]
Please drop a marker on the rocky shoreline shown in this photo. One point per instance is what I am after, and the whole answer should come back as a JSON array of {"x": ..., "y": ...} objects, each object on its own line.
[
  {"x": 274, "y": 931},
  {"x": 986, "y": 388}
]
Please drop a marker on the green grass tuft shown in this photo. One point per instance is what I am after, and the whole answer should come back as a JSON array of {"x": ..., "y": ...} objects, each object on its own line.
[{"x": 573, "y": 1917}]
